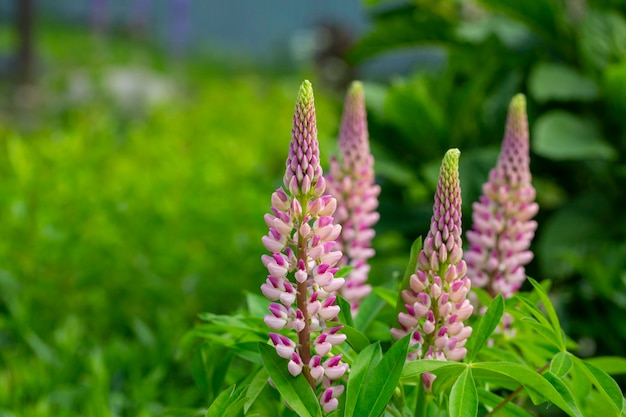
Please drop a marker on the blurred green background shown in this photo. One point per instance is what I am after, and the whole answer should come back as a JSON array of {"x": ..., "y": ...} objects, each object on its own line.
[{"x": 135, "y": 170}]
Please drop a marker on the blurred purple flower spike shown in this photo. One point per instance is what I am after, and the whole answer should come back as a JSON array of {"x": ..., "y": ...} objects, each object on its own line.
[
  {"x": 502, "y": 217},
  {"x": 351, "y": 182}
]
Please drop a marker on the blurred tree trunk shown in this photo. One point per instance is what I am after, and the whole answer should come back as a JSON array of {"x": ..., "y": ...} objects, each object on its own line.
[{"x": 25, "y": 25}]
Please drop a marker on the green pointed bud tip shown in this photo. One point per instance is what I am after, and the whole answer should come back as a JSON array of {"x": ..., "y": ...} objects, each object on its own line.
[
  {"x": 356, "y": 88},
  {"x": 305, "y": 95},
  {"x": 451, "y": 160},
  {"x": 518, "y": 104}
]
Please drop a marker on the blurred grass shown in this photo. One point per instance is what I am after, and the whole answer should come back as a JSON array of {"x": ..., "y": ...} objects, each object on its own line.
[{"x": 123, "y": 219}]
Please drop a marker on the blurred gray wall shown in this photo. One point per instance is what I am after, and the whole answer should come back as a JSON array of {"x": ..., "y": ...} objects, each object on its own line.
[{"x": 256, "y": 28}]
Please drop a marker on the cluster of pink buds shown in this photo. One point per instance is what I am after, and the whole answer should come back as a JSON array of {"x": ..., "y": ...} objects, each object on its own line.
[
  {"x": 303, "y": 261},
  {"x": 351, "y": 181},
  {"x": 436, "y": 301},
  {"x": 502, "y": 227}
]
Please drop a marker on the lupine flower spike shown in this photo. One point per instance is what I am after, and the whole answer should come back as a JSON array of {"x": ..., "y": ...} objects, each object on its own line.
[
  {"x": 436, "y": 301},
  {"x": 351, "y": 181},
  {"x": 303, "y": 261},
  {"x": 502, "y": 227}
]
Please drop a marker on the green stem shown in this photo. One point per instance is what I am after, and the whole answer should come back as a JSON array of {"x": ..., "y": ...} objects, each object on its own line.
[{"x": 421, "y": 406}]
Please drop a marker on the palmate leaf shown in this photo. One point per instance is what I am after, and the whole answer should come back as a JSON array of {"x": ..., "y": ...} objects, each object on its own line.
[
  {"x": 463, "y": 397},
  {"x": 376, "y": 392},
  {"x": 485, "y": 328},
  {"x": 295, "y": 391}
]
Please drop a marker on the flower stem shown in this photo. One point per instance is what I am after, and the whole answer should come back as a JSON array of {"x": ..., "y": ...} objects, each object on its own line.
[{"x": 304, "y": 336}]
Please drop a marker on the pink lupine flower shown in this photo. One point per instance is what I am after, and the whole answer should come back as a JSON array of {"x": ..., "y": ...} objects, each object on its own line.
[
  {"x": 351, "y": 181},
  {"x": 502, "y": 227},
  {"x": 303, "y": 261},
  {"x": 436, "y": 300}
]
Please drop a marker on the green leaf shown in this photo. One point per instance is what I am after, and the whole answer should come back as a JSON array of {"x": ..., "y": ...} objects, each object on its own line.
[
  {"x": 295, "y": 391},
  {"x": 379, "y": 388},
  {"x": 356, "y": 339},
  {"x": 416, "y": 247},
  {"x": 343, "y": 271},
  {"x": 561, "y": 364},
  {"x": 544, "y": 17},
  {"x": 368, "y": 309},
  {"x": 387, "y": 295},
  {"x": 228, "y": 404},
  {"x": 546, "y": 332},
  {"x": 463, "y": 397},
  {"x": 559, "y": 82},
  {"x": 531, "y": 310},
  {"x": 537, "y": 386},
  {"x": 565, "y": 393},
  {"x": 254, "y": 389},
  {"x": 559, "y": 135},
  {"x": 603, "y": 382},
  {"x": 554, "y": 318},
  {"x": 361, "y": 368},
  {"x": 400, "y": 30},
  {"x": 414, "y": 369},
  {"x": 612, "y": 365},
  {"x": 257, "y": 304},
  {"x": 488, "y": 323},
  {"x": 345, "y": 313}
]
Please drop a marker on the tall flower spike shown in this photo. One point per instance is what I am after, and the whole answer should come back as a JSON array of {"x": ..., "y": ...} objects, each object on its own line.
[
  {"x": 436, "y": 300},
  {"x": 351, "y": 181},
  {"x": 502, "y": 227},
  {"x": 303, "y": 261}
]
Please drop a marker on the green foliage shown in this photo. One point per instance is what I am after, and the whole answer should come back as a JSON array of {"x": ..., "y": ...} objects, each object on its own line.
[
  {"x": 121, "y": 223},
  {"x": 568, "y": 57}
]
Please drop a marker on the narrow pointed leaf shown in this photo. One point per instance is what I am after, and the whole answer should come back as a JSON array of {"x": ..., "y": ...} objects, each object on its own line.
[
  {"x": 416, "y": 247},
  {"x": 229, "y": 403},
  {"x": 565, "y": 392},
  {"x": 488, "y": 323},
  {"x": 463, "y": 397},
  {"x": 612, "y": 365},
  {"x": 387, "y": 295},
  {"x": 603, "y": 383},
  {"x": 380, "y": 386},
  {"x": 361, "y": 368},
  {"x": 554, "y": 319},
  {"x": 413, "y": 369},
  {"x": 345, "y": 316},
  {"x": 368, "y": 309},
  {"x": 357, "y": 340},
  {"x": 295, "y": 391},
  {"x": 254, "y": 389}
]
